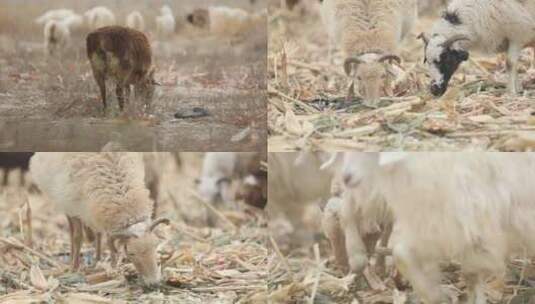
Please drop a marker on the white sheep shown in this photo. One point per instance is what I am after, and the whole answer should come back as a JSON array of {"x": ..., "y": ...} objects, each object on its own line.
[
  {"x": 99, "y": 16},
  {"x": 475, "y": 208},
  {"x": 105, "y": 192},
  {"x": 57, "y": 14},
  {"x": 224, "y": 21},
  {"x": 165, "y": 23},
  {"x": 136, "y": 21},
  {"x": 488, "y": 26},
  {"x": 296, "y": 181},
  {"x": 368, "y": 33},
  {"x": 57, "y": 37}
]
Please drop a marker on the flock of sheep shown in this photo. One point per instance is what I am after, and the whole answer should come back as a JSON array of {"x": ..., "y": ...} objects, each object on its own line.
[
  {"x": 474, "y": 208},
  {"x": 124, "y": 53},
  {"x": 369, "y": 34}
]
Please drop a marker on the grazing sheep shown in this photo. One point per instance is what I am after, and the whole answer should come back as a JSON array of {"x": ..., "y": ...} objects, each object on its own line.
[
  {"x": 135, "y": 20},
  {"x": 475, "y": 208},
  {"x": 222, "y": 20},
  {"x": 219, "y": 169},
  {"x": 14, "y": 160},
  {"x": 488, "y": 26},
  {"x": 99, "y": 17},
  {"x": 165, "y": 23},
  {"x": 369, "y": 33},
  {"x": 57, "y": 37},
  {"x": 295, "y": 182},
  {"x": 106, "y": 192},
  {"x": 124, "y": 55},
  {"x": 57, "y": 15},
  {"x": 73, "y": 22}
]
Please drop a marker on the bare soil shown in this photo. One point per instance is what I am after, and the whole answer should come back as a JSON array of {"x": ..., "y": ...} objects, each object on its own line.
[{"x": 54, "y": 104}]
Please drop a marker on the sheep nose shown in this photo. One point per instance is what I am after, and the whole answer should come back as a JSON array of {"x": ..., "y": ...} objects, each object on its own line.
[{"x": 437, "y": 90}]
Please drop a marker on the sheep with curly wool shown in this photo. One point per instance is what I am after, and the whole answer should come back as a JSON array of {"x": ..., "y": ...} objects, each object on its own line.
[
  {"x": 105, "y": 192},
  {"x": 369, "y": 33}
]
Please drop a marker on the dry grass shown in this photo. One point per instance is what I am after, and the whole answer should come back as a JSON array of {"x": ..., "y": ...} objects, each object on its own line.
[
  {"x": 227, "y": 263},
  {"x": 225, "y": 76},
  {"x": 305, "y": 90}
]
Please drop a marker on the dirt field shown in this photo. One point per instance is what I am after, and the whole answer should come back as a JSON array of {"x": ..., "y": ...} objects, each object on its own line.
[
  {"x": 305, "y": 93},
  {"x": 226, "y": 263},
  {"x": 55, "y": 105}
]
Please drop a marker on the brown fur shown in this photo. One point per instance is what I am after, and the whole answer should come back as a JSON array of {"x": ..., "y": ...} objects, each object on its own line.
[
  {"x": 131, "y": 48},
  {"x": 254, "y": 195}
]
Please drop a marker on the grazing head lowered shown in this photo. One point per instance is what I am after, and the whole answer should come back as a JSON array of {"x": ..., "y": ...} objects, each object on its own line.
[
  {"x": 372, "y": 73},
  {"x": 141, "y": 245},
  {"x": 443, "y": 58},
  {"x": 124, "y": 55}
]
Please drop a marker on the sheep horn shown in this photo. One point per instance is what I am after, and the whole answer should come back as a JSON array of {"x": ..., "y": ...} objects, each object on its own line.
[
  {"x": 159, "y": 221},
  {"x": 423, "y": 37},
  {"x": 349, "y": 62},
  {"x": 390, "y": 57},
  {"x": 453, "y": 39}
]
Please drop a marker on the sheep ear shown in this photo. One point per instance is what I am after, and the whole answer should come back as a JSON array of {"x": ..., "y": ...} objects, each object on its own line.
[{"x": 387, "y": 158}]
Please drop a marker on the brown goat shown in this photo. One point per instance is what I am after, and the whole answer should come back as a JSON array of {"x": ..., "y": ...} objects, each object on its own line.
[{"x": 124, "y": 55}]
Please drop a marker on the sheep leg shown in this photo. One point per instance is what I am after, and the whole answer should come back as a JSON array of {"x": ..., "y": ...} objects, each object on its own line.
[
  {"x": 333, "y": 231},
  {"x": 98, "y": 247},
  {"x": 77, "y": 237},
  {"x": 101, "y": 82},
  {"x": 351, "y": 92},
  {"x": 120, "y": 96},
  {"x": 356, "y": 249},
  {"x": 511, "y": 63},
  {"x": 476, "y": 288},
  {"x": 113, "y": 252},
  {"x": 126, "y": 89},
  {"x": 380, "y": 263},
  {"x": 71, "y": 235},
  {"x": 422, "y": 273}
]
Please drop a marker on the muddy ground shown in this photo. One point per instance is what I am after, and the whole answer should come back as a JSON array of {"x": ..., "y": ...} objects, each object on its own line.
[
  {"x": 220, "y": 264},
  {"x": 54, "y": 104},
  {"x": 306, "y": 93}
]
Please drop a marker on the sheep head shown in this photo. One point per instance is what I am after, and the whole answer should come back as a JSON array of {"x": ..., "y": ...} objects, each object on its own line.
[
  {"x": 199, "y": 18},
  {"x": 141, "y": 246},
  {"x": 146, "y": 86},
  {"x": 372, "y": 73},
  {"x": 253, "y": 190},
  {"x": 443, "y": 57}
]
